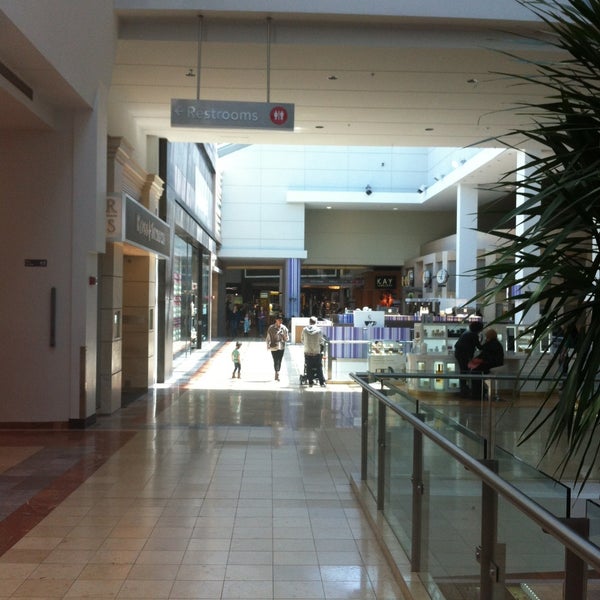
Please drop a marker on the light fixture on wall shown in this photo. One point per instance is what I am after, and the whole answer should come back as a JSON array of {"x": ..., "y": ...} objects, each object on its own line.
[
  {"x": 422, "y": 189},
  {"x": 368, "y": 190}
]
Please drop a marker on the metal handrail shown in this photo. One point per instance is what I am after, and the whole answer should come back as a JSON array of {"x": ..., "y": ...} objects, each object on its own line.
[{"x": 549, "y": 523}]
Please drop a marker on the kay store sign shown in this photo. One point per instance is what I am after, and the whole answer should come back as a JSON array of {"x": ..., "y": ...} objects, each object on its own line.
[{"x": 385, "y": 282}]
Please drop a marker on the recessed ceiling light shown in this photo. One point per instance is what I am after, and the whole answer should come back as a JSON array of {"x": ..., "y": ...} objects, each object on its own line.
[
  {"x": 332, "y": 78},
  {"x": 329, "y": 208}
]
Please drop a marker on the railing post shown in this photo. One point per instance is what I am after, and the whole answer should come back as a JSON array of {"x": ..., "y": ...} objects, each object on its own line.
[
  {"x": 575, "y": 567},
  {"x": 491, "y": 573},
  {"x": 418, "y": 488},
  {"x": 364, "y": 434},
  {"x": 381, "y": 429}
]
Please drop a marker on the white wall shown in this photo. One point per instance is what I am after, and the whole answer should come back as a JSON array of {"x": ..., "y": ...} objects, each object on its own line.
[
  {"x": 48, "y": 203},
  {"x": 77, "y": 39},
  {"x": 257, "y": 221},
  {"x": 36, "y": 206},
  {"x": 53, "y": 202}
]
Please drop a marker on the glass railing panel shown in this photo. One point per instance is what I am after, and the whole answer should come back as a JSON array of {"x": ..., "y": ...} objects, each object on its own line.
[
  {"x": 451, "y": 526},
  {"x": 372, "y": 445},
  {"x": 399, "y": 470},
  {"x": 592, "y": 512},
  {"x": 446, "y": 421},
  {"x": 531, "y": 562},
  {"x": 511, "y": 419},
  {"x": 534, "y": 560},
  {"x": 546, "y": 491}
]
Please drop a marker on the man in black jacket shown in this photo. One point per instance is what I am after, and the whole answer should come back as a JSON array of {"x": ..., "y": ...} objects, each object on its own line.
[{"x": 464, "y": 350}]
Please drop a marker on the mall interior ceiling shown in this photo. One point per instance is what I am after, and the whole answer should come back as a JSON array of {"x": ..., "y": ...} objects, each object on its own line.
[{"x": 354, "y": 81}]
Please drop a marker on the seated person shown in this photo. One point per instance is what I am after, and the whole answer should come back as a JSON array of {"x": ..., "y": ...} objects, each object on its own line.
[{"x": 491, "y": 355}]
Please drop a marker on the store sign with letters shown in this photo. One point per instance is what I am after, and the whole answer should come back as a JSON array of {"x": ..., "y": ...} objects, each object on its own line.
[
  {"x": 385, "y": 282},
  {"x": 130, "y": 222},
  {"x": 232, "y": 115}
]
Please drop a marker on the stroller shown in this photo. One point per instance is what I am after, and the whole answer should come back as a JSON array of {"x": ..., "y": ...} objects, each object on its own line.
[{"x": 310, "y": 374}]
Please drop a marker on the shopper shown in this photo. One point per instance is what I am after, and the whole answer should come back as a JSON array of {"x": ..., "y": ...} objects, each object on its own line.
[
  {"x": 261, "y": 318},
  {"x": 236, "y": 317},
  {"x": 236, "y": 357},
  {"x": 464, "y": 350},
  {"x": 277, "y": 336},
  {"x": 491, "y": 355},
  {"x": 312, "y": 340}
]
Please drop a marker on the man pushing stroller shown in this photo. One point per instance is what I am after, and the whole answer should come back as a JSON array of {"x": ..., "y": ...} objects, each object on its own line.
[{"x": 313, "y": 342}]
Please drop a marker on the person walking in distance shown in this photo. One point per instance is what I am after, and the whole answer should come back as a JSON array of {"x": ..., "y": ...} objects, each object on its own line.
[
  {"x": 237, "y": 361},
  {"x": 261, "y": 317},
  {"x": 312, "y": 340},
  {"x": 277, "y": 336}
]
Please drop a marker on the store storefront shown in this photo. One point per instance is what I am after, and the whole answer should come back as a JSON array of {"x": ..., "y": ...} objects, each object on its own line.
[
  {"x": 186, "y": 280},
  {"x": 138, "y": 242}
]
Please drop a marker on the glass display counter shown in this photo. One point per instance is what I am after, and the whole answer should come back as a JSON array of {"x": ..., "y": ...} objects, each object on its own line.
[
  {"x": 437, "y": 338},
  {"x": 386, "y": 356},
  {"x": 432, "y": 365}
]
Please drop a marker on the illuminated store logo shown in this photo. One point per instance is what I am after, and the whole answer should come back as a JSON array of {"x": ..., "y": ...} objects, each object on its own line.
[{"x": 385, "y": 282}]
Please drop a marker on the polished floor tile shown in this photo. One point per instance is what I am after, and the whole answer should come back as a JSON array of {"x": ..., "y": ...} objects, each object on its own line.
[{"x": 205, "y": 487}]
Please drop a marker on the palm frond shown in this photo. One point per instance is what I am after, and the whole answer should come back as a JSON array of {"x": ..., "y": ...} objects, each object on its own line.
[{"x": 554, "y": 263}]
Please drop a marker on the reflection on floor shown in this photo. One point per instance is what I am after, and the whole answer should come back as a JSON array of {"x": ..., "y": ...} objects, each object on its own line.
[
  {"x": 216, "y": 488},
  {"x": 206, "y": 487}
]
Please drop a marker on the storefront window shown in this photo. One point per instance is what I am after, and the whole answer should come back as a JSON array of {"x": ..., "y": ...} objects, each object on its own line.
[
  {"x": 185, "y": 296},
  {"x": 205, "y": 295}
]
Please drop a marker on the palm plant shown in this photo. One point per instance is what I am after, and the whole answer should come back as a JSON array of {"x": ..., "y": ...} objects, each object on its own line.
[{"x": 553, "y": 265}]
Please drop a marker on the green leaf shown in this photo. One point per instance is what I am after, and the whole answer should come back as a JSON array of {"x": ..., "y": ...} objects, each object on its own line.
[{"x": 555, "y": 263}]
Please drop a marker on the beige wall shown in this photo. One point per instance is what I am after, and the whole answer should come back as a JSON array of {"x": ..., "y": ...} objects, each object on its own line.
[{"x": 371, "y": 237}]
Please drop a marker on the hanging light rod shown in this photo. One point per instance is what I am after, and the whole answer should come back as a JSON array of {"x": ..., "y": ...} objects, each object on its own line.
[
  {"x": 269, "y": 19},
  {"x": 199, "y": 55}
]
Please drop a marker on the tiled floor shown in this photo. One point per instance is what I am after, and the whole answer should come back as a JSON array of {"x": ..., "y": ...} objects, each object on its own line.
[{"x": 206, "y": 487}]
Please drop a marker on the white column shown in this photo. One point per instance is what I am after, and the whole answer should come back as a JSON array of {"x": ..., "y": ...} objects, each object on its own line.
[
  {"x": 88, "y": 231},
  {"x": 466, "y": 241},
  {"x": 520, "y": 227}
]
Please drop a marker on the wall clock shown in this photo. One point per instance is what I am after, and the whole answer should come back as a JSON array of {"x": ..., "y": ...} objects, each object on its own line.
[
  {"x": 442, "y": 276},
  {"x": 426, "y": 277}
]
